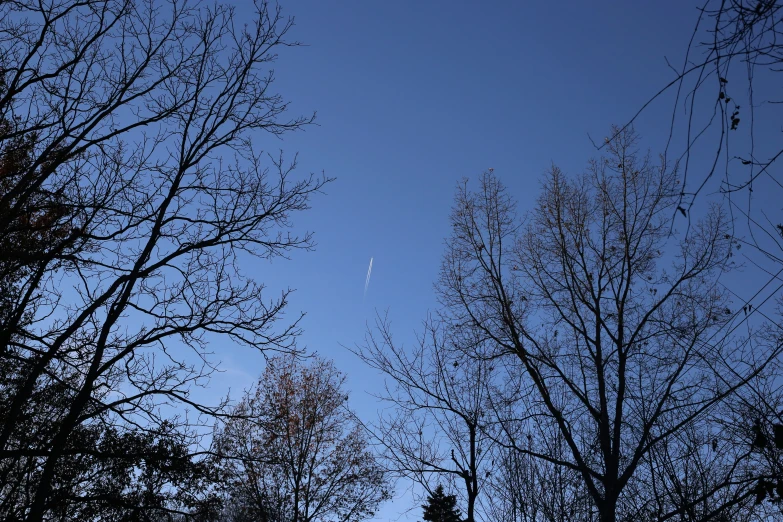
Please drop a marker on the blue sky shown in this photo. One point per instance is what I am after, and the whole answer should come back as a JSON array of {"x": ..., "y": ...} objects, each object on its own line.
[{"x": 413, "y": 96}]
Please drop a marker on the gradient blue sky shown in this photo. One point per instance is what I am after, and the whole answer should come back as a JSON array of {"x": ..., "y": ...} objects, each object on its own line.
[{"x": 413, "y": 96}]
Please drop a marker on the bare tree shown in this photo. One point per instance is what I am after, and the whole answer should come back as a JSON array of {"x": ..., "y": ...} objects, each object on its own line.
[
  {"x": 724, "y": 128},
  {"x": 722, "y": 97},
  {"x": 439, "y": 426},
  {"x": 295, "y": 452},
  {"x": 139, "y": 125},
  {"x": 527, "y": 489},
  {"x": 524, "y": 488},
  {"x": 619, "y": 354}
]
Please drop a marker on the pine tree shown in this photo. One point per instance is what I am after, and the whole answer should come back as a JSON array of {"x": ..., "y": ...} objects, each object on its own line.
[{"x": 441, "y": 507}]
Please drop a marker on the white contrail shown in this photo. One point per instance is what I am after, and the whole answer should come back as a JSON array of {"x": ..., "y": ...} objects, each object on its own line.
[{"x": 367, "y": 281}]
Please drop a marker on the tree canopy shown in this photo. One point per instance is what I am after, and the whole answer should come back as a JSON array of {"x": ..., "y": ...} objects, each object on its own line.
[{"x": 441, "y": 507}]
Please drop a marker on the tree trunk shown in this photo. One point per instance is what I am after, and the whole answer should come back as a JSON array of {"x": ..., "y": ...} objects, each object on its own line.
[
  {"x": 607, "y": 510},
  {"x": 471, "y": 505}
]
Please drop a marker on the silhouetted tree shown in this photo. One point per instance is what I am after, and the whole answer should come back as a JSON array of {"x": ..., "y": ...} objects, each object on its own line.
[
  {"x": 441, "y": 507},
  {"x": 33, "y": 230},
  {"x": 724, "y": 129},
  {"x": 295, "y": 453},
  {"x": 722, "y": 97},
  {"x": 618, "y": 354},
  {"x": 439, "y": 427},
  {"x": 130, "y": 182},
  {"x": 524, "y": 488}
]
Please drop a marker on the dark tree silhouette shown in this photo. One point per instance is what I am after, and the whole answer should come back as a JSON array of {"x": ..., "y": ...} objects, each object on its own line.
[
  {"x": 131, "y": 180},
  {"x": 523, "y": 488},
  {"x": 441, "y": 507},
  {"x": 295, "y": 453},
  {"x": 727, "y": 108},
  {"x": 439, "y": 428},
  {"x": 627, "y": 357},
  {"x": 723, "y": 101}
]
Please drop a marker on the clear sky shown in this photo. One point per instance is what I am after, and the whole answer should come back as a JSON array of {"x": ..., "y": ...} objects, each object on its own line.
[{"x": 411, "y": 97}]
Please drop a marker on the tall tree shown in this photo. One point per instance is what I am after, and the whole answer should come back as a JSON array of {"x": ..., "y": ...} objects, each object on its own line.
[
  {"x": 441, "y": 507},
  {"x": 131, "y": 181},
  {"x": 618, "y": 353},
  {"x": 724, "y": 132},
  {"x": 439, "y": 427},
  {"x": 294, "y": 451}
]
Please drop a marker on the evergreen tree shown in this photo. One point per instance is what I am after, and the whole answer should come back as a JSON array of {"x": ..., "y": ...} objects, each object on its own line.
[{"x": 441, "y": 507}]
